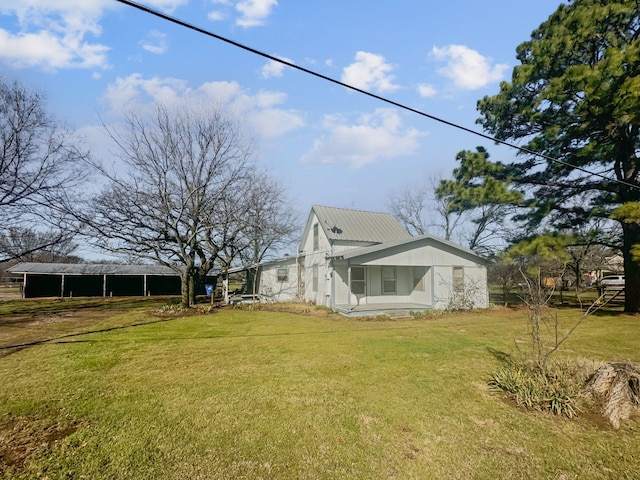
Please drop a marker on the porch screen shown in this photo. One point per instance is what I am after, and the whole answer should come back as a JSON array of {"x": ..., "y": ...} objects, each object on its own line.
[{"x": 357, "y": 280}]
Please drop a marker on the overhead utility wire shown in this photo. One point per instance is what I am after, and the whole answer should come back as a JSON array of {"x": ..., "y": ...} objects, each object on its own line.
[{"x": 190, "y": 26}]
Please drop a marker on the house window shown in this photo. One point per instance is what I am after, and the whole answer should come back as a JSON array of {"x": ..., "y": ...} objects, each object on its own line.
[
  {"x": 418, "y": 279},
  {"x": 357, "y": 281},
  {"x": 315, "y": 278},
  {"x": 458, "y": 279},
  {"x": 316, "y": 242},
  {"x": 283, "y": 274},
  {"x": 389, "y": 280}
]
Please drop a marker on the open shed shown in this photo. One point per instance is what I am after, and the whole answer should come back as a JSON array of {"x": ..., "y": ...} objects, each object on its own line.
[{"x": 93, "y": 280}]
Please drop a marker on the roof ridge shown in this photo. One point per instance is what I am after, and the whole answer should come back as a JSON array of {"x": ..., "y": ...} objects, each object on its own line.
[{"x": 352, "y": 210}]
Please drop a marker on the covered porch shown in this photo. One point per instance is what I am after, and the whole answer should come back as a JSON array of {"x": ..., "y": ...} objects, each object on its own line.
[{"x": 394, "y": 290}]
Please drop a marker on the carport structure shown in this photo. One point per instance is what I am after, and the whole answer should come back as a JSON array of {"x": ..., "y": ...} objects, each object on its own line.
[{"x": 93, "y": 280}]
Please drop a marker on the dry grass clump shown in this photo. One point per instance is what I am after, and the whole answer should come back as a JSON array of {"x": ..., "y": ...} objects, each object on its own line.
[{"x": 615, "y": 387}]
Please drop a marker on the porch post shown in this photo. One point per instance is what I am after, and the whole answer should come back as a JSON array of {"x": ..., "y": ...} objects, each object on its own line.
[{"x": 349, "y": 284}]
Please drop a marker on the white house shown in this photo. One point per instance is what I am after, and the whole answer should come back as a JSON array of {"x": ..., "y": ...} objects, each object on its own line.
[{"x": 365, "y": 263}]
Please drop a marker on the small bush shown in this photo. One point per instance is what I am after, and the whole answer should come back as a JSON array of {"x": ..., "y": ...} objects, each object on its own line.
[{"x": 558, "y": 391}]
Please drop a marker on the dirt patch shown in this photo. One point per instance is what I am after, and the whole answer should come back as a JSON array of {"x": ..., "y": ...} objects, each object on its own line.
[{"x": 22, "y": 438}]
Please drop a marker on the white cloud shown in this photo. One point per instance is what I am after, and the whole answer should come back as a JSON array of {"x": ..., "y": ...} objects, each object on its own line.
[
  {"x": 168, "y": 6},
  {"x": 254, "y": 12},
  {"x": 274, "y": 69},
  {"x": 50, "y": 52},
  {"x": 375, "y": 137},
  {"x": 54, "y": 35},
  {"x": 468, "y": 69},
  {"x": 216, "y": 16},
  {"x": 261, "y": 112},
  {"x": 427, "y": 90},
  {"x": 135, "y": 92},
  {"x": 369, "y": 72},
  {"x": 156, "y": 42}
]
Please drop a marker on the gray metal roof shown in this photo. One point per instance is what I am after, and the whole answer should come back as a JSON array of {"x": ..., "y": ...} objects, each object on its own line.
[
  {"x": 90, "y": 269},
  {"x": 358, "y": 225}
]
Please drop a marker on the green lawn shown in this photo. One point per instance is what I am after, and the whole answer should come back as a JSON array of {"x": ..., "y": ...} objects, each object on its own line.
[{"x": 241, "y": 394}]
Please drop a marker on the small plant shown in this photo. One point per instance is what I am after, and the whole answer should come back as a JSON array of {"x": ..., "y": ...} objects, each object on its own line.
[{"x": 558, "y": 390}]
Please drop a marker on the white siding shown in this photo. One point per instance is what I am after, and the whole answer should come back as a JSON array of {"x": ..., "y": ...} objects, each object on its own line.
[{"x": 271, "y": 288}]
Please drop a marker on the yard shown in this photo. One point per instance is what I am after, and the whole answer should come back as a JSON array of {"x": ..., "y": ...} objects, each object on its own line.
[{"x": 118, "y": 390}]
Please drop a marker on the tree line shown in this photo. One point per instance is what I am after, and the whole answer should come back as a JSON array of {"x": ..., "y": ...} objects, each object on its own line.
[
  {"x": 183, "y": 191},
  {"x": 573, "y": 104}
]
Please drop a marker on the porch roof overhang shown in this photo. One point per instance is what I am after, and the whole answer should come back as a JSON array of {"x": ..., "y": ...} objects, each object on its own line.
[
  {"x": 286, "y": 260},
  {"x": 359, "y": 252}
]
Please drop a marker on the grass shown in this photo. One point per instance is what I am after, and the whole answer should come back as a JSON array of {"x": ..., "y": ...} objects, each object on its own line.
[{"x": 257, "y": 394}]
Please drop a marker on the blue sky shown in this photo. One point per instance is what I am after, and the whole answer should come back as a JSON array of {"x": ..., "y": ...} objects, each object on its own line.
[{"x": 328, "y": 145}]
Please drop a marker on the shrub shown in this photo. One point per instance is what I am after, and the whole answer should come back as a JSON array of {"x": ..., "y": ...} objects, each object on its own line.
[{"x": 558, "y": 390}]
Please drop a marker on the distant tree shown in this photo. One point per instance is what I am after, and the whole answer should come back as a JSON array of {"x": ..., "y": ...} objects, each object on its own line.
[
  {"x": 39, "y": 166},
  {"x": 261, "y": 224},
  {"x": 266, "y": 224},
  {"x": 593, "y": 245},
  {"x": 503, "y": 272},
  {"x": 477, "y": 188},
  {"x": 421, "y": 211},
  {"x": 408, "y": 206},
  {"x": 36, "y": 246},
  {"x": 575, "y": 97}
]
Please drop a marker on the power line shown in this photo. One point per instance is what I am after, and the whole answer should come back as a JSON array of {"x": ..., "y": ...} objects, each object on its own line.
[{"x": 255, "y": 51}]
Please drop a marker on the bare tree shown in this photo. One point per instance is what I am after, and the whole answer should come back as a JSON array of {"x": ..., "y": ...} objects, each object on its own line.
[
  {"x": 420, "y": 211},
  {"x": 408, "y": 205},
  {"x": 39, "y": 165},
  {"x": 184, "y": 197},
  {"x": 37, "y": 246},
  {"x": 270, "y": 225},
  {"x": 178, "y": 167}
]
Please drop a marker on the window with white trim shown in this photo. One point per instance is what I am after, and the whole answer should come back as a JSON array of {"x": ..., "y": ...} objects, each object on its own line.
[
  {"x": 283, "y": 274},
  {"x": 458, "y": 279},
  {"x": 389, "y": 280},
  {"x": 315, "y": 278},
  {"x": 316, "y": 240},
  {"x": 357, "y": 281}
]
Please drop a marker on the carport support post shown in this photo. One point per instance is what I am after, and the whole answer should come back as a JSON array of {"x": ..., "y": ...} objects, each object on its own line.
[
  {"x": 144, "y": 285},
  {"x": 62, "y": 286},
  {"x": 104, "y": 286}
]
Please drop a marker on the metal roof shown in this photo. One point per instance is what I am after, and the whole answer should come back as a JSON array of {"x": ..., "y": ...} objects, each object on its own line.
[
  {"x": 358, "y": 225},
  {"x": 90, "y": 269}
]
